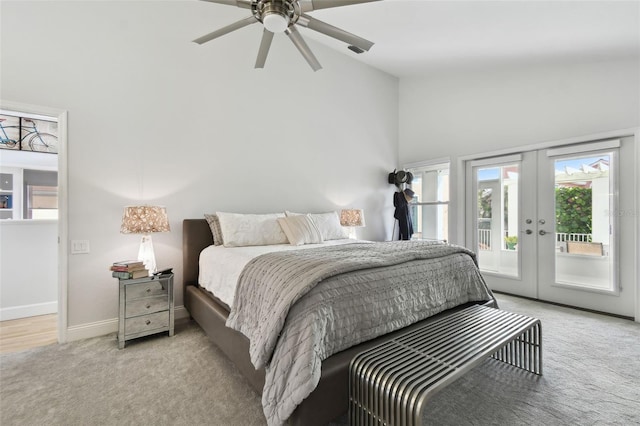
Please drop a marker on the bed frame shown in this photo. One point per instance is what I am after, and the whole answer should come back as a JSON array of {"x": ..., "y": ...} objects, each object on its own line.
[{"x": 330, "y": 399}]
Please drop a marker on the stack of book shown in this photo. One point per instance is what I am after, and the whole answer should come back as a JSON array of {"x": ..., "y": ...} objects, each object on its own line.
[{"x": 129, "y": 269}]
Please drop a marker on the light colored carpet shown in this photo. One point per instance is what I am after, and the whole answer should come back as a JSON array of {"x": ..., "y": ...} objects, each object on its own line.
[{"x": 591, "y": 366}]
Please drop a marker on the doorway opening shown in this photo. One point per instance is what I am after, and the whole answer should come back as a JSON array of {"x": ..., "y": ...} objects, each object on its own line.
[{"x": 33, "y": 220}]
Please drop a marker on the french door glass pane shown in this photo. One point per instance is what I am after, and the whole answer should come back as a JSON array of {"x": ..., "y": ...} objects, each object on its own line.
[
  {"x": 584, "y": 223},
  {"x": 497, "y": 219}
]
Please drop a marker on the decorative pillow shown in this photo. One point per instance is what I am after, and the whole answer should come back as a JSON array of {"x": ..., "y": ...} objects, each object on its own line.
[
  {"x": 240, "y": 230},
  {"x": 300, "y": 229},
  {"x": 214, "y": 224},
  {"x": 328, "y": 224}
]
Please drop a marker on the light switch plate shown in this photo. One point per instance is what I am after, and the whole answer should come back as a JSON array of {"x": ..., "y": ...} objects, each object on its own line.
[{"x": 80, "y": 246}]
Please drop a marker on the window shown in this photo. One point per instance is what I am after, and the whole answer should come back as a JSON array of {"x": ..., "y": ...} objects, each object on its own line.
[
  {"x": 40, "y": 194},
  {"x": 42, "y": 202},
  {"x": 430, "y": 205}
]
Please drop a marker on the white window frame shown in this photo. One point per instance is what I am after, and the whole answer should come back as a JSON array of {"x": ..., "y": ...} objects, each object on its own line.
[{"x": 434, "y": 165}]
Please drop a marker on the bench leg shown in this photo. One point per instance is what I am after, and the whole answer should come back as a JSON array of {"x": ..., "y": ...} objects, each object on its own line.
[{"x": 525, "y": 351}]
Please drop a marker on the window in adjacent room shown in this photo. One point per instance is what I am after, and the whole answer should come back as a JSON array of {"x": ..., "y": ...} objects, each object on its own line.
[
  {"x": 430, "y": 205},
  {"x": 40, "y": 194}
]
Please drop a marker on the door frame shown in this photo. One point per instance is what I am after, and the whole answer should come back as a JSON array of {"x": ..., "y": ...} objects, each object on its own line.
[
  {"x": 461, "y": 217},
  {"x": 63, "y": 225}
]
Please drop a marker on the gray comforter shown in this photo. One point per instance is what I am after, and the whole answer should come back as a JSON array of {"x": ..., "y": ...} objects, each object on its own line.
[{"x": 299, "y": 307}]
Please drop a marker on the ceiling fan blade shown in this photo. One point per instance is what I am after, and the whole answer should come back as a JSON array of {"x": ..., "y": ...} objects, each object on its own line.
[
  {"x": 335, "y": 32},
  {"x": 297, "y": 39},
  {"x": 309, "y": 5},
  {"x": 244, "y": 4},
  {"x": 265, "y": 44},
  {"x": 222, "y": 31}
]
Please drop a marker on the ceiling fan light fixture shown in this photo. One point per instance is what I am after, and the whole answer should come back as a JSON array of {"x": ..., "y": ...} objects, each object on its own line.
[
  {"x": 285, "y": 16},
  {"x": 275, "y": 21}
]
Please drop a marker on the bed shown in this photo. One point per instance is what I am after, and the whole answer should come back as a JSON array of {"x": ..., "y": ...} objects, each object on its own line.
[{"x": 329, "y": 398}]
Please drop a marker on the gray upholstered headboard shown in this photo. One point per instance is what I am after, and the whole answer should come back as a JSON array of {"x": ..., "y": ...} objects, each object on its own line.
[{"x": 196, "y": 235}]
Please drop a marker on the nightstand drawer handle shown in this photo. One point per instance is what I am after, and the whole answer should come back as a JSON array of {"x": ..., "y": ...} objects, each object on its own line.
[
  {"x": 147, "y": 322},
  {"x": 148, "y": 305},
  {"x": 149, "y": 290}
]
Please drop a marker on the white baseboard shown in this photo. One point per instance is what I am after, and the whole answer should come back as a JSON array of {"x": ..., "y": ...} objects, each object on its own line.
[
  {"x": 101, "y": 328},
  {"x": 92, "y": 329},
  {"x": 25, "y": 311}
]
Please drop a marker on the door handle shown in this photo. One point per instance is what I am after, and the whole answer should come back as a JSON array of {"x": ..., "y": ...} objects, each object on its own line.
[
  {"x": 528, "y": 232},
  {"x": 542, "y": 232}
]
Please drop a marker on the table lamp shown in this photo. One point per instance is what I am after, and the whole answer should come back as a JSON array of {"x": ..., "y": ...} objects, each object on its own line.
[
  {"x": 352, "y": 218},
  {"x": 145, "y": 220}
]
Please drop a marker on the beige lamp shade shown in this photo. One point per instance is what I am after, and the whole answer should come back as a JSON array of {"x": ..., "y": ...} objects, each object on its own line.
[
  {"x": 144, "y": 220},
  {"x": 352, "y": 217}
]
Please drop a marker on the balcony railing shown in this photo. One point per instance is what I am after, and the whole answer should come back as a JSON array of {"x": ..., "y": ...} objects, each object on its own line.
[
  {"x": 484, "y": 238},
  {"x": 582, "y": 238}
]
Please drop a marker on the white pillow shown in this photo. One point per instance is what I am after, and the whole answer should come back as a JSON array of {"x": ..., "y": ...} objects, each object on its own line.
[
  {"x": 300, "y": 230},
  {"x": 328, "y": 224},
  {"x": 240, "y": 230}
]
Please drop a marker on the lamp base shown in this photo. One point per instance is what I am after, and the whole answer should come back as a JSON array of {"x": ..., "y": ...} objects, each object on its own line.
[
  {"x": 146, "y": 254},
  {"x": 351, "y": 231}
]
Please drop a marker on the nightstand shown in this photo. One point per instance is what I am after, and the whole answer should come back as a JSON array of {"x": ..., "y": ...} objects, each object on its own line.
[{"x": 146, "y": 307}]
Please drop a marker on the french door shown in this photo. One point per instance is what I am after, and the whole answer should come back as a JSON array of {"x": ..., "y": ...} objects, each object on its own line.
[{"x": 549, "y": 224}]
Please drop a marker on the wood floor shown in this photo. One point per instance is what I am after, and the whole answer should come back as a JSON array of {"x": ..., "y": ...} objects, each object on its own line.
[{"x": 26, "y": 333}]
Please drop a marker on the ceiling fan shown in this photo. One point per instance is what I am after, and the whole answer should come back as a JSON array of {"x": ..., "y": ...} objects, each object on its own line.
[{"x": 279, "y": 16}]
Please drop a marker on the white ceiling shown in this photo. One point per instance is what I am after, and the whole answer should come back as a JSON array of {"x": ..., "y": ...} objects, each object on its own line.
[{"x": 414, "y": 36}]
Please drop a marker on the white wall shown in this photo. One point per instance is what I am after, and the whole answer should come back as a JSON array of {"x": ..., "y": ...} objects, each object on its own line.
[
  {"x": 29, "y": 254},
  {"x": 464, "y": 112},
  {"x": 155, "y": 118}
]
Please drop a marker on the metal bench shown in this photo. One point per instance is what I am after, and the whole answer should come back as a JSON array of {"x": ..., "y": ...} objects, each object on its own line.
[{"x": 390, "y": 384}]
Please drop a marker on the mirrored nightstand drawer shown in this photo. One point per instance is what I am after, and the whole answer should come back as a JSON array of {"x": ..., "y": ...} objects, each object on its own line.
[
  {"x": 148, "y": 305},
  {"x": 146, "y": 323},
  {"x": 145, "y": 289}
]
